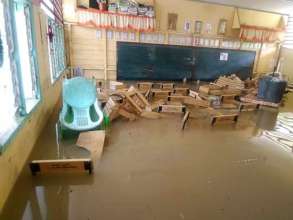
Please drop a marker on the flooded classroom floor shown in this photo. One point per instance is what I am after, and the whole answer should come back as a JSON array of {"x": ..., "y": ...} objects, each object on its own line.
[{"x": 151, "y": 170}]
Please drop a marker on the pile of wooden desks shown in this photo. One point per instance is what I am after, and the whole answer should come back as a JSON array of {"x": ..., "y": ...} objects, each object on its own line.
[{"x": 223, "y": 100}]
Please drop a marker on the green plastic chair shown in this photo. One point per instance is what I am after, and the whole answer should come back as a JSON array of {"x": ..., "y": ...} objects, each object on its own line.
[{"x": 81, "y": 110}]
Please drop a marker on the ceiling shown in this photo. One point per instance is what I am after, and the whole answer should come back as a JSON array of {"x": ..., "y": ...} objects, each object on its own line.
[{"x": 275, "y": 6}]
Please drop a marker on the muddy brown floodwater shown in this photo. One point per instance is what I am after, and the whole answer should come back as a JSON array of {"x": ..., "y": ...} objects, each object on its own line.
[{"x": 151, "y": 170}]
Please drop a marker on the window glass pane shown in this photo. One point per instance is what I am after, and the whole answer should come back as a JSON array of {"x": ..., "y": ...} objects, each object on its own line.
[
  {"x": 24, "y": 55},
  {"x": 27, "y": 58},
  {"x": 48, "y": 8},
  {"x": 56, "y": 49},
  {"x": 8, "y": 107}
]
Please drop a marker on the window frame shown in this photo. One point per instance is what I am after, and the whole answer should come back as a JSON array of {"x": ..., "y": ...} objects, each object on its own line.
[
  {"x": 23, "y": 111},
  {"x": 56, "y": 50}
]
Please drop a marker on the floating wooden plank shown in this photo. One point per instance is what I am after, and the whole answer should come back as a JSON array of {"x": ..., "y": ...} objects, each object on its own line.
[
  {"x": 172, "y": 108},
  {"x": 61, "y": 166}
]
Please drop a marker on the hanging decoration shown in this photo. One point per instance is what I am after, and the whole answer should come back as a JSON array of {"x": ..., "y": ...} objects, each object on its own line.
[
  {"x": 108, "y": 20},
  {"x": 50, "y": 33},
  {"x": 259, "y": 34}
]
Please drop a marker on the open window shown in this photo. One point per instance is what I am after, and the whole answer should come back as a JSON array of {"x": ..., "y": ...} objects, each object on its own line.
[{"x": 19, "y": 83}]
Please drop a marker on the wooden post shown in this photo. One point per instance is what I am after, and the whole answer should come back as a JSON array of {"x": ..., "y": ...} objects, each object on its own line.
[{"x": 105, "y": 55}]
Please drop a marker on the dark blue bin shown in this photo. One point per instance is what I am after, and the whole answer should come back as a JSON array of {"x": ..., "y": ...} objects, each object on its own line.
[
  {"x": 271, "y": 89},
  {"x": 263, "y": 86}
]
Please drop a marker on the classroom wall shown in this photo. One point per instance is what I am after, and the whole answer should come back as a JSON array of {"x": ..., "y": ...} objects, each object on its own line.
[
  {"x": 98, "y": 55},
  {"x": 13, "y": 159},
  {"x": 287, "y": 63}
]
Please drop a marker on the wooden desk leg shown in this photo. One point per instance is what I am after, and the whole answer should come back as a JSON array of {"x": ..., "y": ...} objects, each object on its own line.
[{"x": 213, "y": 121}]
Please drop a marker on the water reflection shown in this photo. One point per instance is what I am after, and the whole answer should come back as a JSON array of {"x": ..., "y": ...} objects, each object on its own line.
[{"x": 282, "y": 133}]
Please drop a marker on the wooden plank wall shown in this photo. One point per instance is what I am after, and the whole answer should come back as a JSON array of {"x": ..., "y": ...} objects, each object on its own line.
[{"x": 93, "y": 51}]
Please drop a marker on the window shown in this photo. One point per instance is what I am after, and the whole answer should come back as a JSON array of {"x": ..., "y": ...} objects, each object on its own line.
[
  {"x": 19, "y": 87},
  {"x": 56, "y": 49},
  {"x": 27, "y": 55},
  {"x": 288, "y": 42},
  {"x": 8, "y": 105},
  {"x": 55, "y": 37}
]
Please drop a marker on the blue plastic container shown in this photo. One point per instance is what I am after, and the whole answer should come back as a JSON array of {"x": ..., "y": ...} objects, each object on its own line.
[{"x": 271, "y": 89}]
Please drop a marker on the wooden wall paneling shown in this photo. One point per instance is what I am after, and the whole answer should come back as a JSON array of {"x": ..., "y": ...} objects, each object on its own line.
[
  {"x": 88, "y": 50},
  {"x": 105, "y": 53},
  {"x": 97, "y": 53}
]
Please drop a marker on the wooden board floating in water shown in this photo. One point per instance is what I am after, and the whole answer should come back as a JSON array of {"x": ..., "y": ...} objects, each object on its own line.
[{"x": 61, "y": 166}]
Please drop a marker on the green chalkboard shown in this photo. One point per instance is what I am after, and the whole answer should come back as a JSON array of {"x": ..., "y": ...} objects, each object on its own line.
[{"x": 137, "y": 61}]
